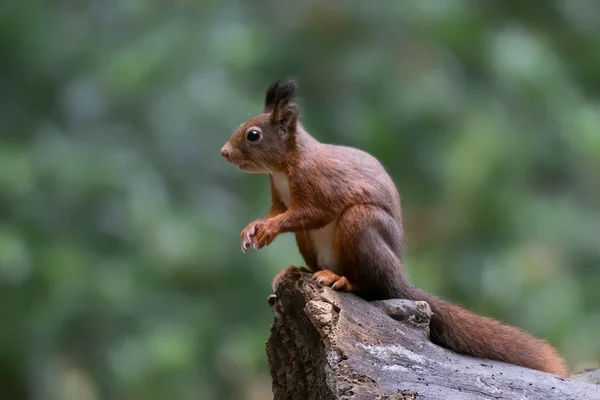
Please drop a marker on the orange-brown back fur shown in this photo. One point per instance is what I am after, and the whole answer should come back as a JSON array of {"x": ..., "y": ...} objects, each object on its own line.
[{"x": 350, "y": 189}]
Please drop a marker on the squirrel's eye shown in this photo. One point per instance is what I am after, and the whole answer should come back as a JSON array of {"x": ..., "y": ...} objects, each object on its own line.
[{"x": 253, "y": 135}]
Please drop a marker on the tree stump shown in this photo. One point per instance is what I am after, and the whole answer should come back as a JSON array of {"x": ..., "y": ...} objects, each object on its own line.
[{"x": 331, "y": 345}]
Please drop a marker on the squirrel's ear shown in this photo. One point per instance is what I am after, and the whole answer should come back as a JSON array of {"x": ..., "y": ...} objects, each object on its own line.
[
  {"x": 280, "y": 91},
  {"x": 277, "y": 102},
  {"x": 285, "y": 115}
]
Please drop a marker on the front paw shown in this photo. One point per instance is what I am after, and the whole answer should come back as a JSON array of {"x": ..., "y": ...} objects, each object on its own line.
[
  {"x": 248, "y": 235},
  {"x": 266, "y": 233}
]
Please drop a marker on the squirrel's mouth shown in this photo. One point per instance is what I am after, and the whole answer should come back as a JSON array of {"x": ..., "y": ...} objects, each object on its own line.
[{"x": 245, "y": 166}]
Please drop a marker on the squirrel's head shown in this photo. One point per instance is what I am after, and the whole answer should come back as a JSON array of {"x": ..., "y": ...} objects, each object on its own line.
[{"x": 260, "y": 144}]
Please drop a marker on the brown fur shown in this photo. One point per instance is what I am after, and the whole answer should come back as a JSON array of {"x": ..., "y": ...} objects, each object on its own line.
[{"x": 350, "y": 189}]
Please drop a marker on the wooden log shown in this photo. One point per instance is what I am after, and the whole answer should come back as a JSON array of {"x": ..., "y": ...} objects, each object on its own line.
[{"x": 331, "y": 345}]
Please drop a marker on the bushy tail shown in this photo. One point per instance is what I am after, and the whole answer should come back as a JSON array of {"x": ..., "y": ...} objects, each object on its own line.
[{"x": 465, "y": 332}]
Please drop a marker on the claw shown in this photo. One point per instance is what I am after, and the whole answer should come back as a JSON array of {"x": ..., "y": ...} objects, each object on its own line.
[
  {"x": 249, "y": 237},
  {"x": 245, "y": 246},
  {"x": 341, "y": 283}
]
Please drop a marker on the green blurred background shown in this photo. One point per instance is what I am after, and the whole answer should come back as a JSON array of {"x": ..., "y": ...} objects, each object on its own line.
[{"x": 120, "y": 265}]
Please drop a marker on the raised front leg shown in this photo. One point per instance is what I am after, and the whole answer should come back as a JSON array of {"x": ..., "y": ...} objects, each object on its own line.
[
  {"x": 292, "y": 220},
  {"x": 248, "y": 235}
]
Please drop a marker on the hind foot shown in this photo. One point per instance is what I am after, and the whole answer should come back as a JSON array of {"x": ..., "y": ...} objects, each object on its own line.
[{"x": 329, "y": 278}]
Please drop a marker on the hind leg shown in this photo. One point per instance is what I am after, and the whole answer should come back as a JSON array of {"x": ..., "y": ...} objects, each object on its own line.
[
  {"x": 324, "y": 277},
  {"x": 368, "y": 241}
]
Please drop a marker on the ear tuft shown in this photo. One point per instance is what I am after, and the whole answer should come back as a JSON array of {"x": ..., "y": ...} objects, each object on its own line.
[
  {"x": 271, "y": 95},
  {"x": 280, "y": 91}
]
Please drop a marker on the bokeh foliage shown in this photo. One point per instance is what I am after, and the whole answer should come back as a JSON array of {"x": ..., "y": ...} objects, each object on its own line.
[{"x": 121, "y": 275}]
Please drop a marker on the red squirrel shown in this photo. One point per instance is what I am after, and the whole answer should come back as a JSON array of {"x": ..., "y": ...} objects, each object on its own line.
[{"x": 344, "y": 210}]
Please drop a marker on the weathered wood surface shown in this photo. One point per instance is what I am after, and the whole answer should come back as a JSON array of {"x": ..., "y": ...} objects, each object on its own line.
[{"x": 331, "y": 345}]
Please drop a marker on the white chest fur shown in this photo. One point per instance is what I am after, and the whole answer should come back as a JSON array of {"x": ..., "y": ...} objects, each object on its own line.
[
  {"x": 322, "y": 239},
  {"x": 282, "y": 185}
]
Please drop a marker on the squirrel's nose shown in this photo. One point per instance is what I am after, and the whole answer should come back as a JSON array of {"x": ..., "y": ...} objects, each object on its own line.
[{"x": 225, "y": 153}]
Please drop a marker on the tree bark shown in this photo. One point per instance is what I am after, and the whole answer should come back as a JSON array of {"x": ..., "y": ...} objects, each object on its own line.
[{"x": 331, "y": 345}]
